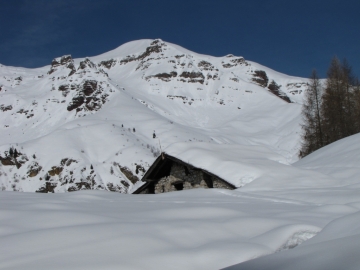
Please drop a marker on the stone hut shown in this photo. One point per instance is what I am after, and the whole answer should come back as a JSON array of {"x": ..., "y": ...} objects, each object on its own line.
[{"x": 171, "y": 174}]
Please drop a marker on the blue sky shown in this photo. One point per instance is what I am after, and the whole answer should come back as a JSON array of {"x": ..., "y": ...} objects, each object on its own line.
[{"x": 292, "y": 37}]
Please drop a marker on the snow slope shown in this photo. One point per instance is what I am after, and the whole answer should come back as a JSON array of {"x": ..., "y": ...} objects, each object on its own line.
[
  {"x": 89, "y": 123},
  {"x": 337, "y": 245},
  {"x": 311, "y": 225}
]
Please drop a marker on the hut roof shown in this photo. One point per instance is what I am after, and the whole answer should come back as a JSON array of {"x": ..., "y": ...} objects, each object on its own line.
[
  {"x": 161, "y": 167},
  {"x": 240, "y": 165}
]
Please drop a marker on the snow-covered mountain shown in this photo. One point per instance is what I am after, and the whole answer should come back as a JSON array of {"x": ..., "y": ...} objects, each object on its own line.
[{"x": 100, "y": 122}]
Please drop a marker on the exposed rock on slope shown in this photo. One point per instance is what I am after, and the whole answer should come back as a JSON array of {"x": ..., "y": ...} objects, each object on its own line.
[
  {"x": 260, "y": 78},
  {"x": 64, "y": 61},
  {"x": 275, "y": 89}
]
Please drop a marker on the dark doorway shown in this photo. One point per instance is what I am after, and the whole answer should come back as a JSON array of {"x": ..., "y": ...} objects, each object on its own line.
[
  {"x": 187, "y": 172},
  {"x": 179, "y": 186},
  {"x": 151, "y": 188},
  {"x": 163, "y": 169},
  {"x": 208, "y": 180}
]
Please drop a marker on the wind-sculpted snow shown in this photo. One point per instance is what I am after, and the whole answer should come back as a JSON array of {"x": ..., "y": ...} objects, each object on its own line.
[
  {"x": 193, "y": 229},
  {"x": 341, "y": 160},
  {"x": 335, "y": 247}
]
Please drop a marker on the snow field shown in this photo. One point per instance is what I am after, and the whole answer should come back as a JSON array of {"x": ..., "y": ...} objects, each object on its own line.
[{"x": 194, "y": 229}]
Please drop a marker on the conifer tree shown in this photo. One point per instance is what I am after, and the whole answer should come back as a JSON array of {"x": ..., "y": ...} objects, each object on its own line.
[
  {"x": 338, "y": 108},
  {"x": 356, "y": 102},
  {"x": 333, "y": 113},
  {"x": 312, "y": 137},
  {"x": 333, "y": 102},
  {"x": 348, "y": 81}
]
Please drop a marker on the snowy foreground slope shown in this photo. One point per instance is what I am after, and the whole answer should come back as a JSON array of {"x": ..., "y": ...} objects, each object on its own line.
[
  {"x": 337, "y": 246},
  {"x": 302, "y": 224},
  {"x": 89, "y": 123}
]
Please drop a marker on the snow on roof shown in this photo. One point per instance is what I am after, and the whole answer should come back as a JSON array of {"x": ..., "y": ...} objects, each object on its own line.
[{"x": 234, "y": 163}]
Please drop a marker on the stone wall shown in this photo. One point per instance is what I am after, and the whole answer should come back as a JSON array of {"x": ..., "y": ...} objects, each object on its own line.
[
  {"x": 183, "y": 173},
  {"x": 217, "y": 183},
  {"x": 165, "y": 184},
  {"x": 182, "y": 177}
]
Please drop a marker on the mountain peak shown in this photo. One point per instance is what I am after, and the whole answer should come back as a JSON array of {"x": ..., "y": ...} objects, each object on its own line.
[{"x": 96, "y": 122}]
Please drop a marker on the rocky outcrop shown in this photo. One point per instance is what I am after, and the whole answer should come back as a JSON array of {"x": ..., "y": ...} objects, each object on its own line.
[
  {"x": 13, "y": 158},
  {"x": 155, "y": 47},
  {"x": 204, "y": 65},
  {"x": 108, "y": 63},
  {"x": 5, "y": 108},
  {"x": 65, "y": 176},
  {"x": 55, "y": 170},
  {"x": 8, "y": 161},
  {"x": 63, "y": 61},
  {"x": 128, "y": 174},
  {"x": 65, "y": 89},
  {"x": 296, "y": 88},
  {"x": 233, "y": 61},
  {"x": 26, "y": 112},
  {"x": 87, "y": 67},
  {"x": 62, "y": 176},
  {"x": 67, "y": 161},
  {"x": 166, "y": 77},
  {"x": 33, "y": 169},
  {"x": 86, "y": 64},
  {"x": 139, "y": 168},
  {"x": 192, "y": 77},
  {"x": 275, "y": 89},
  {"x": 76, "y": 103},
  {"x": 260, "y": 78},
  {"x": 90, "y": 97},
  {"x": 113, "y": 188},
  {"x": 89, "y": 87}
]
